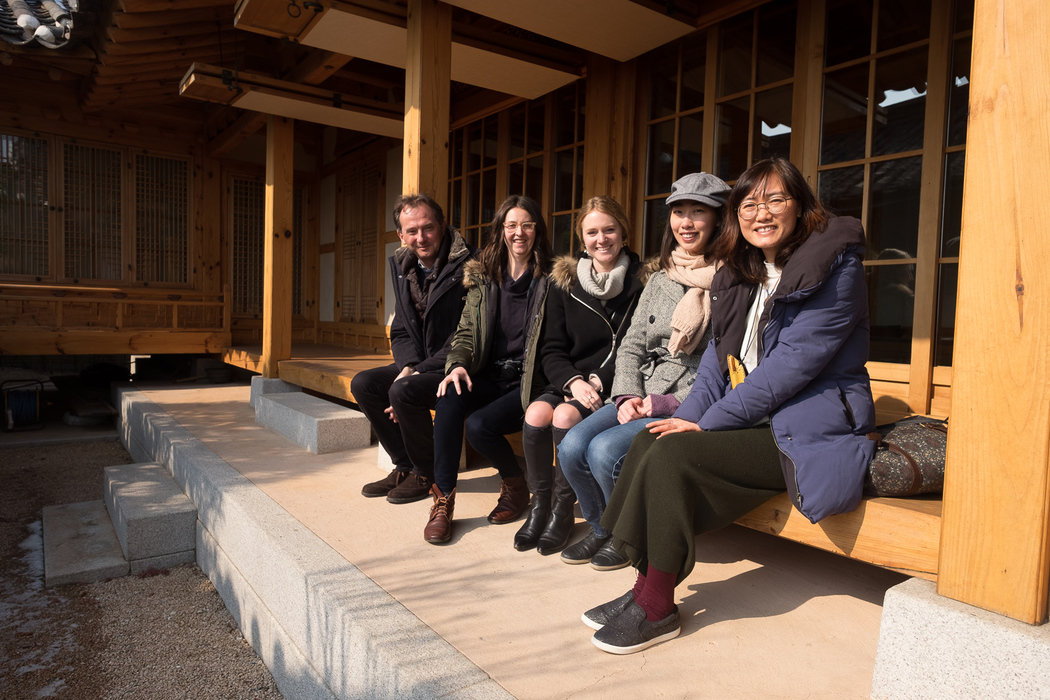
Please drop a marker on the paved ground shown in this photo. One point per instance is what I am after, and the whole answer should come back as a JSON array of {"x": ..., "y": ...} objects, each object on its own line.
[{"x": 153, "y": 637}]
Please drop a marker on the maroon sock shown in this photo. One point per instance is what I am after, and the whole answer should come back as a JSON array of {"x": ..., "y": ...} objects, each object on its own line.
[
  {"x": 639, "y": 585},
  {"x": 657, "y": 597}
]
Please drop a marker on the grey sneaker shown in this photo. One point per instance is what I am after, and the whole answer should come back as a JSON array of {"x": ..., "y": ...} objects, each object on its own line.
[
  {"x": 630, "y": 632},
  {"x": 599, "y": 617},
  {"x": 413, "y": 488}
]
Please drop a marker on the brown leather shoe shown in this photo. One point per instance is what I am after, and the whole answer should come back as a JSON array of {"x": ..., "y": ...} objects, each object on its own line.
[
  {"x": 384, "y": 485},
  {"x": 439, "y": 527},
  {"x": 513, "y": 499}
]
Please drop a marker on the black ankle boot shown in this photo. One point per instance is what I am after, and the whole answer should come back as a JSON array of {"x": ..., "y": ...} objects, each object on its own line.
[
  {"x": 559, "y": 527},
  {"x": 529, "y": 533}
]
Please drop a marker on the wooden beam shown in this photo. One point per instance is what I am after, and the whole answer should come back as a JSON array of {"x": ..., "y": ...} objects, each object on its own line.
[
  {"x": 427, "y": 84},
  {"x": 277, "y": 255},
  {"x": 995, "y": 535},
  {"x": 136, "y": 6},
  {"x": 169, "y": 17},
  {"x": 110, "y": 342},
  {"x": 235, "y": 134}
]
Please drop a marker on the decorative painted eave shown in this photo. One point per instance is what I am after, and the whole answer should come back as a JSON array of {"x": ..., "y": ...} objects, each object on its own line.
[{"x": 46, "y": 22}]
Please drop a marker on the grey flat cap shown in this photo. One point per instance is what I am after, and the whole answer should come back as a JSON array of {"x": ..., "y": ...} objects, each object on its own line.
[{"x": 700, "y": 187}]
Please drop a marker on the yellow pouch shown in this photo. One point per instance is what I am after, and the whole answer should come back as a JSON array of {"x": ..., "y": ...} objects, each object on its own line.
[{"x": 737, "y": 371}]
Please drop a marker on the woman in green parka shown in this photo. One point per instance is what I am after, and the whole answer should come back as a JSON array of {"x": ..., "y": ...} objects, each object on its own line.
[{"x": 491, "y": 373}]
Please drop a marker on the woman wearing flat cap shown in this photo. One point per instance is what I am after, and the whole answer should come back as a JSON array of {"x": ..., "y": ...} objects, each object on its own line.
[{"x": 655, "y": 364}]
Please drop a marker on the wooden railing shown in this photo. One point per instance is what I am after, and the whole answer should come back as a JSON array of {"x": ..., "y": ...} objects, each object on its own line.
[{"x": 61, "y": 319}]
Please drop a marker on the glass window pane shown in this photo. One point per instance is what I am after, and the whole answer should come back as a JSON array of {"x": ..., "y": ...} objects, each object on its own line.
[
  {"x": 488, "y": 195},
  {"x": 563, "y": 177},
  {"x": 561, "y": 234},
  {"x": 959, "y": 92},
  {"x": 474, "y": 146},
  {"x": 491, "y": 141},
  {"x": 663, "y": 81},
  {"x": 902, "y": 22},
  {"x": 900, "y": 91},
  {"x": 731, "y": 137},
  {"x": 963, "y": 15},
  {"x": 891, "y": 304},
  {"x": 694, "y": 71},
  {"x": 581, "y": 110},
  {"x": 655, "y": 223},
  {"x": 517, "y": 131},
  {"x": 537, "y": 125},
  {"x": 658, "y": 171},
  {"x": 842, "y": 190},
  {"x": 951, "y": 222},
  {"x": 473, "y": 204},
  {"x": 565, "y": 116},
  {"x": 848, "y": 31},
  {"x": 457, "y": 204},
  {"x": 516, "y": 178},
  {"x": 893, "y": 211},
  {"x": 534, "y": 178},
  {"x": 578, "y": 192},
  {"x": 776, "y": 42},
  {"x": 947, "y": 287},
  {"x": 773, "y": 117},
  {"x": 690, "y": 143},
  {"x": 844, "y": 118},
  {"x": 457, "y": 153},
  {"x": 734, "y": 55},
  {"x": 92, "y": 224}
]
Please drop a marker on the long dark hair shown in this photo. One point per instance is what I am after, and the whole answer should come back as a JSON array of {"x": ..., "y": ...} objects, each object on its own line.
[
  {"x": 669, "y": 241},
  {"x": 494, "y": 257},
  {"x": 732, "y": 249}
]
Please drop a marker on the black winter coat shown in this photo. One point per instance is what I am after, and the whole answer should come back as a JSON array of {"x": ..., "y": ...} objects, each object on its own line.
[
  {"x": 580, "y": 336},
  {"x": 424, "y": 342}
]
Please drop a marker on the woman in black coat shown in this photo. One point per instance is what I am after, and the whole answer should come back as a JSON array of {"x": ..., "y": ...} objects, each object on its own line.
[{"x": 589, "y": 308}]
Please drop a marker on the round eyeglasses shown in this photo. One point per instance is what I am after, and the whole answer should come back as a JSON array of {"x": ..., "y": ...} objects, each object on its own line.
[
  {"x": 526, "y": 226},
  {"x": 774, "y": 205}
]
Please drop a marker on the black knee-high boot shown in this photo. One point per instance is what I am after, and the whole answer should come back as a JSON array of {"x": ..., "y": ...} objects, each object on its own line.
[
  {"x": 559, "y": 525},
  {"x": 539, "y": 458}
]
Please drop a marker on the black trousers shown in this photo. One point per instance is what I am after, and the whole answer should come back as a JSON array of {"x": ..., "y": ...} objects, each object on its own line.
[{"x": 410, "y": 441}]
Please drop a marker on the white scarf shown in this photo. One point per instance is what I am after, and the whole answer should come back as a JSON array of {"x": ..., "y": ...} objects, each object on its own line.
[{"x": 603, "y": 285}]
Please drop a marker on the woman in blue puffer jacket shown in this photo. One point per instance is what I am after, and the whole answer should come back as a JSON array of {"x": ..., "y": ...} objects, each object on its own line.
[{"x": 781, "y": 400}]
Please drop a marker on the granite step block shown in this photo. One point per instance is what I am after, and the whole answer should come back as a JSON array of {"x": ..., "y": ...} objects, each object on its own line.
[
  {"x": 80, "y": 545},
  {"x": 319, "y": 426}
]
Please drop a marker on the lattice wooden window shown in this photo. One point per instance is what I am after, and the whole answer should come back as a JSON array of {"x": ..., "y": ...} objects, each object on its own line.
[
  {"x": 24, "y": 248},
  {"x": 360, "y": 239},
  {"x": 91, "y": 229},
  {"x": 247, "y": 210},
  {"x": 162, "y": 219},
  {"x": 298, "y": 218}
]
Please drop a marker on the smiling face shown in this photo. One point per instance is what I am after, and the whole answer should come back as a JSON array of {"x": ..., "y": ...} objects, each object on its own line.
[
  {"x": 602, "y": 239},
  {"x": 767, "y": 231},
  {"x": 421, "y": 234},
  {"x": 519, "y": 233},
  {"x": 693, "y": 225}
]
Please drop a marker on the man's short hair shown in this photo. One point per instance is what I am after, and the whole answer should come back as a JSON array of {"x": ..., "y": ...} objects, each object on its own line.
[{"x": 411, "y": 201}]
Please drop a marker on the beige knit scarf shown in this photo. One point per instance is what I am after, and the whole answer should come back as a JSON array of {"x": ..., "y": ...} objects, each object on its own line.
[{"x": 693, "y": 311}]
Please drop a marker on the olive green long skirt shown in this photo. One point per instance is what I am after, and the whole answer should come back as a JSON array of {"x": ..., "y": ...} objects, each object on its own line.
[{"x": 686, "y": 484}]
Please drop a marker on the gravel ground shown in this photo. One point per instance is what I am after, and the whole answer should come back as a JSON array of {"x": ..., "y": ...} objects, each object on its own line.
[{"x": 157, "y": 636}]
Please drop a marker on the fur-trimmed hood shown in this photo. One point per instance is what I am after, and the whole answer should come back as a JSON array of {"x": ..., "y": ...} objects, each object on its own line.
[
  {"x": 473, "y": 273},
  {"x": 564, "y": 277}
]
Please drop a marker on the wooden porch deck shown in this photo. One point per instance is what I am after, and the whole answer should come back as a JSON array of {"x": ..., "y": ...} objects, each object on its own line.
[{"x": 326, "y": 369}]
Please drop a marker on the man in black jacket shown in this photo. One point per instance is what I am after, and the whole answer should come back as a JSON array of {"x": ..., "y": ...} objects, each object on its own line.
[{"x": 427, "y": 274}]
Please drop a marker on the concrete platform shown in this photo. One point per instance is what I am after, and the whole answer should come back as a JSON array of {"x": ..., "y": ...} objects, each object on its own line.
[
  {"x": 343, "y": 598},
  {"x": 315, "y": 424},
  {"x": 155, "y": 523},
  {"x": 80, "y": 545}
]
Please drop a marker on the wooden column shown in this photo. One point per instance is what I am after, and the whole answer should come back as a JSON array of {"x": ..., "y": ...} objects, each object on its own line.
[
  {"x": 277, "y": 255},
  {"x": 608, "y": 139},
  {"x": 995, "y": 535},
  {"x": 427, "y": 81}
]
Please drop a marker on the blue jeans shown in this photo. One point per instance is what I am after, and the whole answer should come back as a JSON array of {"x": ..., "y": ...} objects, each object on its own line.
[{"x": 591, "y": 454}]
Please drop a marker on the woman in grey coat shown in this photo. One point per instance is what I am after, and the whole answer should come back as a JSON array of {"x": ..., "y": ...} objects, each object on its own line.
[{"x": 655, "y": 364}]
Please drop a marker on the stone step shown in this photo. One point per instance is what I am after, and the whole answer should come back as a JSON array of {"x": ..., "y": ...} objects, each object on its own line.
[
  {"x": 319, "y": 426},
  {"x": 80, "y": 545},
  {"x": 155, "y": 523}
]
